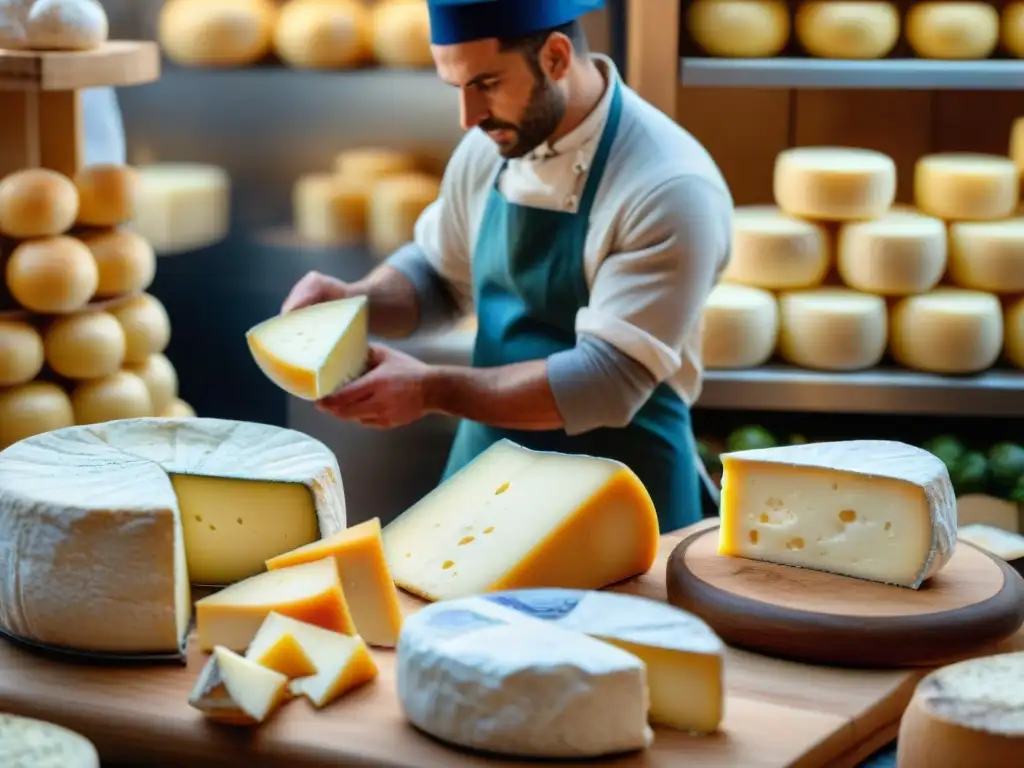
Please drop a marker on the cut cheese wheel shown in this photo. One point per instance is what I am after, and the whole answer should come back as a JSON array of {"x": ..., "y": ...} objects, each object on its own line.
[
  {"x": 1014, "y": 328},
  {"x": 952, "y": 30},
  {"x": 147, "y": 328},
  {"x": 897, "y": 255},
  {"x": 834, "y": 183},
  {"x": 861, "y": 29},
  {"x": 37, "y": 203},
  {"x": 312, "y": 34},
  {"x": 182, "y": 207},
  {"x": 774, "y": 251},
  {"x": 178, "y": 409},
  {"x": 457, "y": 541},
  {"x": 947, "y": 331},
  {"x": 161, "y": 381},
  {"x": 106, "y": 195},
  {"x": 869, "y": 509},
  {"x": 739, "y": 28},
  {"x": 832, "y": 329},
  {"x": 328, "y": 208},
  {"x": 125, "y": 261},
  {"x": 988, "y": 256},
  {"x": 368, "y": 164},
  {"x": 401, "y": 33},
  {"x": 966, "y": 715},
  {"x": 741, "y": 326},
  {"x": 21, "y": 353},
  {"x": 966, "y": 187},
  {"x": 310, "y": 592},
  {"x": 52, "y": 275},
  {"x": 26, "y": 743},
  {"x": 122, "y": 395},
  {"x": 311, "y": 352},
  {"x": 225, "y": 33},
  {"x": 90, "y": 345},
  {"x": 32, "y": 409},
  {"x": 237, "y": 691},
  {"x": 396, "y": 203},
  {"x": 1012, "y": 29}
]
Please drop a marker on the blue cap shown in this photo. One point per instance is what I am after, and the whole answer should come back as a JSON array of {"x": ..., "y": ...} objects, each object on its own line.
[{"x": 462, "y": 21}]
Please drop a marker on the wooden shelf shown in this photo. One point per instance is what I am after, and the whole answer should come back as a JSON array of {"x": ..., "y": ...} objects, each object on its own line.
[{"x": 116, "y": 63}]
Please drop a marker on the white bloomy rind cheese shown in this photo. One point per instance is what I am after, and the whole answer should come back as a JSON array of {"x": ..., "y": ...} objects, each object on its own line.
[
  {"x": 741, "y": 325},
  {"x": 834, "y": 183},
  {"x": 870, "y": 509},
  {"x": 774, "y": 251},
  {"x": 101, "y": 527},
  {"x": 966, "y": 715},
  {"x": 966, "y": 187},
  {"x": 27, "y": 743},
  {"x": 313, "y": 351},
  {"x": 897, "y": 255}
]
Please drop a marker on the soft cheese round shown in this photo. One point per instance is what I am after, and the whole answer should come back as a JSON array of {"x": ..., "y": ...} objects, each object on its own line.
[{"x": 28, "y": 743}]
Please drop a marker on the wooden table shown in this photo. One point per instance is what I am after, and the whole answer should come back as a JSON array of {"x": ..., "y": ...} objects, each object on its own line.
[{"x": 778, "y": 713}]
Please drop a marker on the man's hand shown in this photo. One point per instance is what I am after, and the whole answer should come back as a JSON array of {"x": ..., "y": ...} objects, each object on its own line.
[{"x": 315, "y": 288}]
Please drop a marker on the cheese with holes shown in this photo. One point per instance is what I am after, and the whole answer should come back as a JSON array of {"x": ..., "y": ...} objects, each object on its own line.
[
  {"x": 144, "y": 506},
  {"x": 21, "y": 353},
  {"x": 182, "y": 207},
  {"x": 741, "y": 325},
  {"x": 401, "y": 34},
  {"x": 966, "y": 187},
  {"x": 396, "y": 203},
  {"x": 31, "y": 409},
  {"x": 966, "y": 715},
  {"x": 237, "y": 691},
  {"x": 312, "y": 34},
  {"x": 225, "y": 33},
  {"x": 90, "y": 345},
  {"x": 897, "y": 255},
  {"x": 365, "y": 578},
  {"x": 310, "y": 592},
  {"x": 952, "y": 30},
  {"x": 988, "y": 256},
  {"x": 774, "y": 251},
  {"x": 37, "y": 202},
  {"x": 516, "y": 518},
  {"x": 26, "y": 743},
  {"x": 52, "y": 275},
  {"x": 328, "y": 208},
  {"x": 738, "y": 29},
  {"x": 870, "y": 509},
  {"x": 311, "y": 352},
  {"x": 1014, "y": 332},
  {"x": 832, "y": 329},
  {"x": 1006, "y": 545},
  {"x": 848, "y": 30},
  {"x": 834, "y": 183},
  {"x": 947, "y": 331},
  {"x": 280, "y": 651},
  {"x": 147, "y": 327},
  {"x": 477, "y": 674}
]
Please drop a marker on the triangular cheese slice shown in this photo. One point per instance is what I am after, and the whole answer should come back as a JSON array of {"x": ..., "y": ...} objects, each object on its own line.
[
  {"x": 282, "y": 654},
  {"x": 237, "y": 691}
]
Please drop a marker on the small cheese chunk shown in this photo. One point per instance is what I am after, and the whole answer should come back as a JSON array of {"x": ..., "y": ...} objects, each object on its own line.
[
  {"x": 126, "y": 262},
  {"x": 517, "y": 518},
  {"x": 774, "y": 251},
  {"x": 741, "y": 326},
  {"x": 147, "y": 328},
  {"x": 122, "y": 395},
  {"x": 1014, "y": 329},
  {"x": 178, "y": 409},
  {"x": 401, "y": 34},
  {"x": 834, "y": 183},
  {"x": 870, "y": 509},
  {"x": 106, "y": 195},
  {"x": 182, "y": 207},
  {"x": 161, "y": 380},
  {"x": 739, "y": 29},
  {"x": 310, "y": 592},
  {"x": 311, "y": 352},
  {"x": 21, "y": 353},
  {"x": 282, "y": 652},
  {"x": 328, "y": 208},
  {"x": 31, "y": 409},
  {"x": 897, "y": 255},
  {"x": 26, "y": 743},
  {"x": 312, "y": 34},
  {"x": 225, "y": 33},
  {"x": 37, "y": 203},
  {"x": 947, "y": 331},
  {"x": 396, "y": 203},
  {"x": 863, "y": 29},
  {"x": 832, "y": 329},
  {"x": 966, "y": 187},
  {"x": 237, "y": 691},
  {"x": 370, "y": 164},
  {"x": 988, "y": 256},
  {"x": 52, "y": 275},
  {"x": 90, "y": 345},
  {"x": 966, "y": 715},
  {"x": 1005, "y": 545},
  {"x": 477, "y": 674},
  {"x": 952, "y": 30},
  {"x": 1012, "y": 37},
  {"x": 365, "y": 577}
]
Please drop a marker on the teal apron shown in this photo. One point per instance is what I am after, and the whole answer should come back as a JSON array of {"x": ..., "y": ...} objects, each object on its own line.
[{"x": 528, "y": 284}]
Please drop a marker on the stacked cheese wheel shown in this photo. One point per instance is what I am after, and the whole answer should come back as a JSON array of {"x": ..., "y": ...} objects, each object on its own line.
[
  {"x": 80, "y": 341},
  {"x": 836, "y": 275},
  {"x": 372, "y": 195},
  {"x": 307, "y": 34}
]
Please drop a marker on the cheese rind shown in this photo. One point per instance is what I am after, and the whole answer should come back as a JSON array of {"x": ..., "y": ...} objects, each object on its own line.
[
  {"x": 774, "y": 251},
  {"x": 897, "y": 255},
  {"x": 27, "y": 743},
  {"x": 237, "y": 691},
  {"x": 870, "y": 509},
  {"x": 834, "y": 183}
]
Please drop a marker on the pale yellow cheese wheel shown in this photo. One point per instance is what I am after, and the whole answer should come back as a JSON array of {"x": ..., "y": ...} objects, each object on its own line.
[
  {"x": 123, "y": 395},
  {"x": 106, "y": 195},
  {"x": 777, "y": 252},
  {"x": 21, "y": 353},
  {"x": 953, "y": 30},
  {"x": 1014, "y": 331},
  {"x": 32, "y": 409},
  {"x": 739, "y": 29},
  {"x": 53, "y": 274},
  {"x": 1012, "y": 28},
  {"x": 837, "y": 29},
  {"x": 368, "y": 164},
  {"x": 217, "y": 33},
  {"x": 396, "y": 203},
  {"x": 401, "y": 33},
  {"x": 966, "y": 186},
  {"x": 314, "y": 34},
  {"x": 988, "y": 255},
  {"x": 834, "y": 183},
  {"x": 147, "y": 328},
  {"x": 328, "y": 208},
  {"x": 832, "y": 329},
  {"x": 37, "y": 203},
  {"x": 89, "y": 345},
  {"x": 740, "y": 327},
  {"x": 948, "y": 330},
  {"x": 899, "y": 254},
  {"x": 179, "y": 409},
  {"x": 161, "y": 381},
  {"x": 125, "y": 260}
]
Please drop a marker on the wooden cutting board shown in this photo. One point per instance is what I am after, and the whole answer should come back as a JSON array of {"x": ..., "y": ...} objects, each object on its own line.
[{"x": 778, "y": 713}]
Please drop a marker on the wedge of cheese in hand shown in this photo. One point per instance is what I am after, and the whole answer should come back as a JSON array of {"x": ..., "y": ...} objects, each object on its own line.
[
  {"x": 312, "y": 351},
  {"x": 870, "y": 509},
  {"x": 237, "y": 691}
]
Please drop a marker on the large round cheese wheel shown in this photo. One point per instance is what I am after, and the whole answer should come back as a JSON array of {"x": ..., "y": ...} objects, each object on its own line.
[
  {"x": 739, "y": 28},
  {"x": 147, "y": 327},
  {"x": 217, "y": 33},
  {"x": 106, "y": 195},
  {"x": 775, "y": 251},
  {"x": 26, "y": 743},
  {"x": 329, "y": 208},
  {"x": 1017, "y": 138},
  {"x": 966, "y": 186},
  {"x": 316, "y": 34},
  {"x": 1014, "y": 332},
  {"x": 832, "y": 329},
  {"x": 182, "y": 207},
  {"x": 966, "y": 715},
  {"x": 834, "y": 183},
  {"x": 178, "y": 409},
  {"x": 988, "y": 256},
  {"x": 161, "y": 380},
  {"x": 37, "y": 203},
  {"x": 947, "y": 331},
  {"x": 123, "y": 395},
  {"x": 740, "y": 327},
  {"x": 21, "y": 353},
  {"x": 53, "y": 274},
  {"x": 126, "y": 262},
  {"x": 396, "y": 203},
  {"x": 953, "y": 30},
  {"x": 897, "y": 255},
  {"x": 1012, "y": 28},
  {"x": 369, "y": 164},
  {"x": 89, "y": 345},
  {"x": 401, "y": 33},
  {"x": 32, "y": 409},
  {"x": 53, "y": 25},
  {"x": 836, "y": 29}
]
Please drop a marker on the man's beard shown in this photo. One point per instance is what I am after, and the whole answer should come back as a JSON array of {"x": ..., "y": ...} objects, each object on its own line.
[{"x": 542, "y": 116}]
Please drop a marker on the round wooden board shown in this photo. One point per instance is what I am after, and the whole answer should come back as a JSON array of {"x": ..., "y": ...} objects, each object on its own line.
[
  {"x": 92, "y": 306},
  {"x": 821, "y": 618}
]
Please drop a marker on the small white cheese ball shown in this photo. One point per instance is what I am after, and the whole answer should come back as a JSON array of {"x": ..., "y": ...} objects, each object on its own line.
[{"x": 67, "y": 25}]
